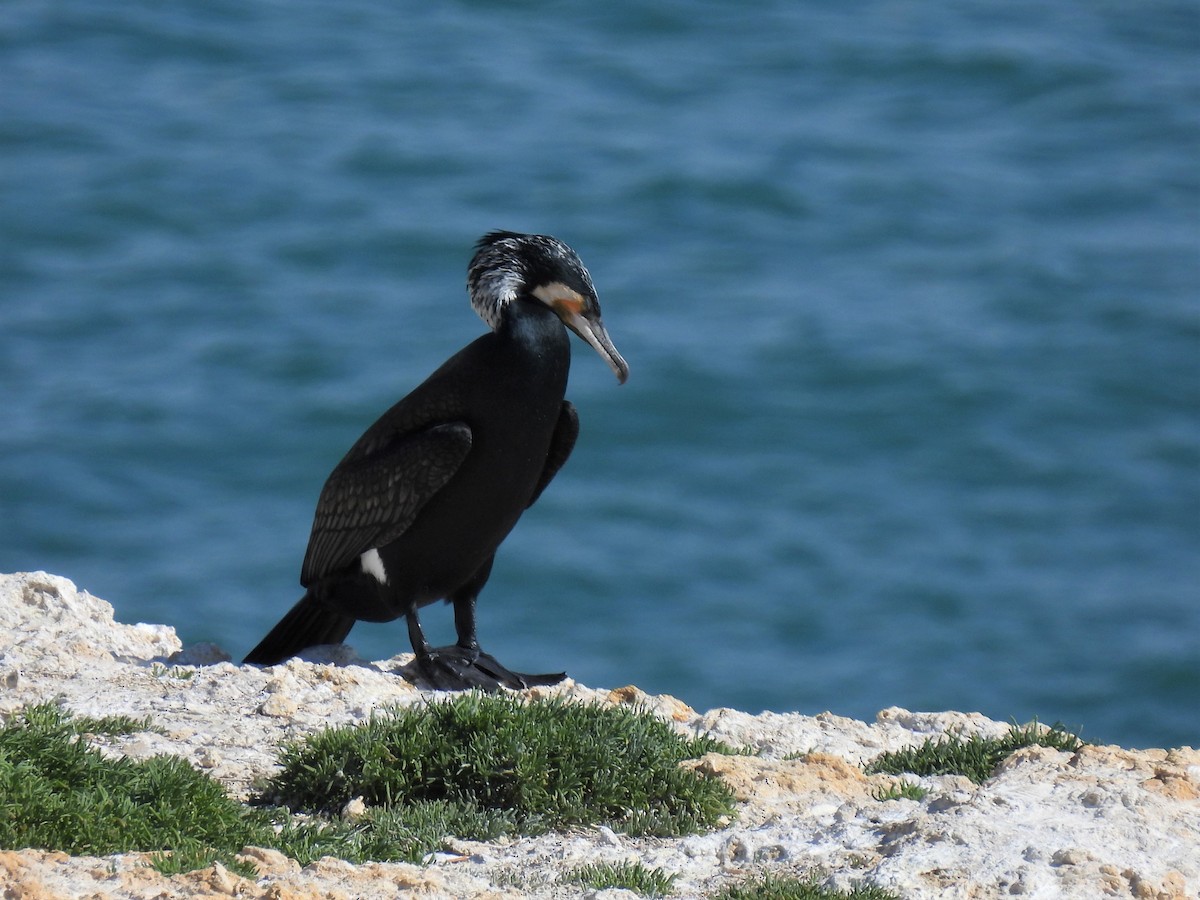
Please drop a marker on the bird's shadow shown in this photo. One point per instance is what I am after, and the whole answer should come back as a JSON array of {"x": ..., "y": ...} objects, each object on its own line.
[{"x": 202, "y": 655}]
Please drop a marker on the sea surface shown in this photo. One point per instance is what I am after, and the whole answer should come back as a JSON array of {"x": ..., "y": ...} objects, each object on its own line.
[{"x": 910, "y": 293}]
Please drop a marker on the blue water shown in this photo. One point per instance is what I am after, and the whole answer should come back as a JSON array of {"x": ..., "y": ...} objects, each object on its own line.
[{"x": 910, "y": 294}]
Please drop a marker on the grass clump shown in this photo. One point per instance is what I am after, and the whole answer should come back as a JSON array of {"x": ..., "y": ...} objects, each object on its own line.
[
  {"x": 388, "y": 834},
  {"x": 521, "y": 767},
  {"x": 768, "y": 887},
  {"x": 476, "y": 767},
  {"x": 975, "y": 757},
  {"x": 111, "y": 725},
  {"x": 183, "y": 673},
  {"x": 632, "y": 876},
  {"x": 59, "y": 793},
  {"x": 901, "y": 790}
]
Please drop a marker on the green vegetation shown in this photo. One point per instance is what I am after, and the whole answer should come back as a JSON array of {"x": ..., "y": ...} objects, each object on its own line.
[
  {"x": 791, "y": 888},
  {"x": 58, "y": 793},
  {"x": 976, "y": 757},
  {"x": 183, "y": 673},
  {"x": 901, "y": 790},
  {"x": 111, "y": 725},
  {"x": 389, "y": 834},
  {"x": 632, "y": 876},
  {"x": 475, "y": 767},
  {"x": 522, "y": 767}
]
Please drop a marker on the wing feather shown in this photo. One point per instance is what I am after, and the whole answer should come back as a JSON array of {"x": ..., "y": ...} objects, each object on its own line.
[{"x": 370, "y": 500}]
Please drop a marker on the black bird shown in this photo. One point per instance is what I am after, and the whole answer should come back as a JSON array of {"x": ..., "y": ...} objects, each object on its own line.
[{"x": 415, "y": 511}]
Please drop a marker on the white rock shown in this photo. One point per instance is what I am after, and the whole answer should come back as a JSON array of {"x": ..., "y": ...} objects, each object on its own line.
[{"x": 1100, "y": 822}]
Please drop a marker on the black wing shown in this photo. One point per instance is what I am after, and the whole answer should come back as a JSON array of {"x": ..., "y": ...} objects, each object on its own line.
[
  {"x": 371, "y": 500},
  {"x": 562, "y": 442}
]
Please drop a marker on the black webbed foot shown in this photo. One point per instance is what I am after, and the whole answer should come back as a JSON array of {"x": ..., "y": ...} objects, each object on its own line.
[{"x": 456, "y": 668}]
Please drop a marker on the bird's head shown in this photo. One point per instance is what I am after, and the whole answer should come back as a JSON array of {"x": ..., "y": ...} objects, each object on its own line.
[{"x": 507, "y": 266}]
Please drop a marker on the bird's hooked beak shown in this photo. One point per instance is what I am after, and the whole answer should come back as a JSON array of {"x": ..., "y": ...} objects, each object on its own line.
[{"x": 582, "y": 316}]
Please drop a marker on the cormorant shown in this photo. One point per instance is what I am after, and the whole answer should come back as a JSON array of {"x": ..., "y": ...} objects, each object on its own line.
[{"x": 415, "y": 510}]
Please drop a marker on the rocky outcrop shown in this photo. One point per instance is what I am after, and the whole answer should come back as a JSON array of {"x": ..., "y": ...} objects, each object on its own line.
[{"x": 1099, "y": 822}]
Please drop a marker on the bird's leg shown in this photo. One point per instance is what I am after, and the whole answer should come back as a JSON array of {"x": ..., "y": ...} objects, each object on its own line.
[
  {"x": 484, "y": 663},
  {"x": 464, "y": 622},
  {"x": 416, "y": 637},
  {"x": 444, "y": 668},
  {"x": 452, "y": 668},
  {"x": 464, "y": 606},
  {"x": 463, "y": 665}
]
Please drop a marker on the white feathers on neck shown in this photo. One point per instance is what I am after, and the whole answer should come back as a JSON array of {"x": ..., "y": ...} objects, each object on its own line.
[{"x": 494, "y": 288}]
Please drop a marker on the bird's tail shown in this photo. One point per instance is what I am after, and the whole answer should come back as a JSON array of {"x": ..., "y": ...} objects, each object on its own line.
[{"x": 307, "y": 624}]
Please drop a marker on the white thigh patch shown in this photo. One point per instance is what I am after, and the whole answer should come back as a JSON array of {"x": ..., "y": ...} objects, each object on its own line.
[{"x": 373, "y": 565}]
